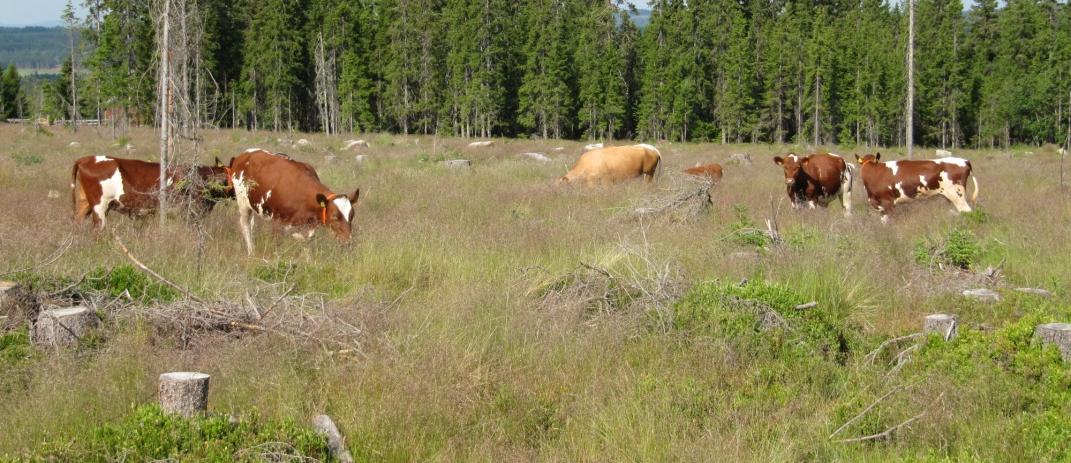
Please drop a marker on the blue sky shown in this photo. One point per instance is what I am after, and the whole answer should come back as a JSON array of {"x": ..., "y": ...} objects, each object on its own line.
[{"x": 35, "y": 12}]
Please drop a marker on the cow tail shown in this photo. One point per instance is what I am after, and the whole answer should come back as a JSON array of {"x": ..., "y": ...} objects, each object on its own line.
[
  {"x": 75, "y": 186},
  {"x": 658, "y": 167},
  {"x": 974, "y": 196},
  {"x": 848, "y": 176}
]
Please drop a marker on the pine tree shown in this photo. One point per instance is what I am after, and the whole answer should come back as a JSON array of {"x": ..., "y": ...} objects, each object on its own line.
[
  {"x": 545, "y": 96},
  {"x": 273, "y": 65},
  {"x": 602, "y": 65}
]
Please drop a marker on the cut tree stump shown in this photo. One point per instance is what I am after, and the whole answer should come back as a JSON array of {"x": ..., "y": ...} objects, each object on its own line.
[
  {"x": 183, "y": 393},
  {"x": 59, "y": 328},
  {"x": 1056, "y": 333},
  {"x": 942, "y": 324},
  {"x": 336, "y": 445},
  {"x": 457, "y": 163}
]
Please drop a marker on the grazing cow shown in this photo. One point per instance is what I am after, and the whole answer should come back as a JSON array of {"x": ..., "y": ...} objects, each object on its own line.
[
  {"x": 608, "y": 165},
  {"x": 893, "y": 182},
  {"x": 289, "y": 193},
  {"x": 130, "y": 186},
  {"x": 817, "y": 179},
  {"x": 711, "y": 171}
]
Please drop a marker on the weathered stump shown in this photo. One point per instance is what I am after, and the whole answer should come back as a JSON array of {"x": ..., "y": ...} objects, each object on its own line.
[
  {"x": 942, "y": 324},
  {"x": 58, "y": 328},
  {"x": 335, "y": 443},
  {"x": 1058, "y": 334},
  {"x": 457, "y": 163},
  {"x": 183, "y": 393}
]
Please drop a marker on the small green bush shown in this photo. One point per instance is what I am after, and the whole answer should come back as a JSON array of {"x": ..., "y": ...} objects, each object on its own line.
[
  {"x": 125, "y": 278},
  {"x": 29, "y": 159},
  {"x": 959, "y": 248},
  {"x": 148, "y": 434},
  {"x": 744, "y": 230}
]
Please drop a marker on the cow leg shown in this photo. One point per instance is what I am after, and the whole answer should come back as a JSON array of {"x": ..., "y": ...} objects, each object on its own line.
[
  {"x": 886, "y": 208},
  {"x": 100, "y": 212},
  {"x": 811, "y": 204},
  {"x": 245, "y": 222}
]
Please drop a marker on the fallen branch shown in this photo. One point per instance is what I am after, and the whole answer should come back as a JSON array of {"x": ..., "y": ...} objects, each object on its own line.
[
  {"x": 809, "y": 305},
  {"x": 884, "y": 434},
  {"x": 869, "y": 359},
  {"x": 146, "y": 269},
  {"x": 865, "y": 410}
]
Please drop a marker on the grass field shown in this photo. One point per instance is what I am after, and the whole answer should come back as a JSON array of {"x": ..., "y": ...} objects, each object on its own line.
[{"x": 491, "y": 333}]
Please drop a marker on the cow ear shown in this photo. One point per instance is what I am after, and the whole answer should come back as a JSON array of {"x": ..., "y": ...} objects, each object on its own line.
[
  {"x": 777, "y": 160},
  {"x": 858, "y": 159},
  {"x": 321, "y": 200},
  {"x": 877, "y": 156},
  {"x": 219, "y": 163},
  {"x": 356, "y": 194}
]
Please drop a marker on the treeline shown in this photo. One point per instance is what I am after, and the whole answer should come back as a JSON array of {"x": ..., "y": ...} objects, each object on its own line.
[
  {"x": 33, "y": 47},
  {"x": 828, "y": 71}
]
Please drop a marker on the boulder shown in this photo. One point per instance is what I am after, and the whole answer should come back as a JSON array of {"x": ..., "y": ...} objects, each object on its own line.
[
  {"x": 593, "y": 146},
  {"x": 59, "y": 328},
  {"x": 74, "y": 144},
  {"x": 559, "y": 149},
  {"x": 53, "y": 194},
  {"x": 481, "y": 144},
  {"x": 336, "y": 444}
]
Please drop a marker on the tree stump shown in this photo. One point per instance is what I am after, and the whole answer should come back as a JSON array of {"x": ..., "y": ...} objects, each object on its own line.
[
  {"x": 457, "y": 163},
  {"x": 942, "y": 324},
  {"x": 1056, "y": 333},
  {"x": 336, "y": 445},
  {"x": 58, "y": 328},
  {"x": 183, "y": 393}
]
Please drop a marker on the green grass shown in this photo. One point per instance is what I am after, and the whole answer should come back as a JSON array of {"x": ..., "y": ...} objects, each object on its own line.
[{"x": 468, "y": 354}]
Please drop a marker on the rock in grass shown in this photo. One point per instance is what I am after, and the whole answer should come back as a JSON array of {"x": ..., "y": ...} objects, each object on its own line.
[
  {"x": 457, "y": 163},
  {"x": 943, "y": 153},
  {"x": 982, "y": 294},
  {"x": 1058, "y": 334},
  {"x": 183, "y": 393},
  {"x": 360, "y": 158},
  {"x": 74, "y": 144},
  {"x": 941, "y": 324},
  {"x": 301, "y": 143},
  {"x": 536, "y": 156},
  {"x": 481, "y": 144},
  {"x": 593, "y": 146},
  {"x": 53, "y": 194},
  {"x": 740, "y": 158},
  {"x": 1035, "y": 291},
  {"x": 59, "y": 328},
  {"x": 336, "y": 445},
  {"x": 350, "y": 144}
]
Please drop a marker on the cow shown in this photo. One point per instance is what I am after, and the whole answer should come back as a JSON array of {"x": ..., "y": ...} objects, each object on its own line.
[
  {"x": 289, "y": 193},
  {"x": 817, "y": 179},
  {"x": 613, "y": 164},
  {"x": 893, "y": 182},
  {"x": 710, "y": 171},
  {"x": 130, "y": 186}
]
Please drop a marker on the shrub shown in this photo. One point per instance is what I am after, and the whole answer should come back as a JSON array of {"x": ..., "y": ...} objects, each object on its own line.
[
  {"x": 959, "y": 248},
  {"x": 744, "y": 230},
  {"x": 24, "y": 160},
  {"x": 148, "y": 434},
  {"x": 125, "y": 278}
]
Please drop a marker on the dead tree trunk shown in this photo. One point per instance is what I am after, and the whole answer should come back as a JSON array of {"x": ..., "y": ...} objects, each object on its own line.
[{"x": 910, "y": 78}]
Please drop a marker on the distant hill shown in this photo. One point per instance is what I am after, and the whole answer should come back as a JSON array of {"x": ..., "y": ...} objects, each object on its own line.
[
  {"x": 33, "y": 47},
  {"x": 641, "y": 18}
]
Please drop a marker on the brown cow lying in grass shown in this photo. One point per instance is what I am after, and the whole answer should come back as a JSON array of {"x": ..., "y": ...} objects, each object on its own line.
[
  {"x": 614, "y": 164},
  {"x": 100, "y": 184},
  {"x": 289, "y": 193},
  {"x": 711, "y": 171},
  {"x": 894, "y": 182}
]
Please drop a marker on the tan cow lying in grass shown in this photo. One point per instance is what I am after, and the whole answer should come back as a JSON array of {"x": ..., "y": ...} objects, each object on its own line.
[{"x": 614, "y": 164}]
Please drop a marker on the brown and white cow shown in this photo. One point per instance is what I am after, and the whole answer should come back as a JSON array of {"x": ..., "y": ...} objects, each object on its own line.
[
  {"x": 711, "y": 171},
  {"x": 289, "y": 193},
  {"x": 894, "y": 182},
  {"x": 130, "y": 186},
  {"x": 817, "y": 179},
  {"x": 614, "y": 164}
]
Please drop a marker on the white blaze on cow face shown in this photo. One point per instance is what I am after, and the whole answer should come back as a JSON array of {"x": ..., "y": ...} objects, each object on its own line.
[{"x": 344, "y": 206}]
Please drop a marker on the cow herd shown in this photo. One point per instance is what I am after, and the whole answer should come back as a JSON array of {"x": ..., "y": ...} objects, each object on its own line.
[{"x": 290, "y": 195}]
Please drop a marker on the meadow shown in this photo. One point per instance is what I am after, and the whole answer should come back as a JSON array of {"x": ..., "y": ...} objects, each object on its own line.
[{"x": 504, "y": 317}]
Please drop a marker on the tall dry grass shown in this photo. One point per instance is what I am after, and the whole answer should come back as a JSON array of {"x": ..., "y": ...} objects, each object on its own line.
[{"x": 470, "y": 363}]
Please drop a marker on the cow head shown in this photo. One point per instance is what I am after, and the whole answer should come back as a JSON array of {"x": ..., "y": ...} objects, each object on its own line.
[
  {"x": 337, "y": 213},
  {"x": 793, "y": 166},
  {"x": 867, "y": 158}
]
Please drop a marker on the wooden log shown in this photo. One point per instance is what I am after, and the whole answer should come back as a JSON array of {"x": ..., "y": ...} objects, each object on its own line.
[
  {"x": 59, "y": 328},
  {"x": 336, "y": 445},
  {"x": 1058, "y": 334},
  {"x": 942, "y": 324},
  {"x": 183, "y": 393}
]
